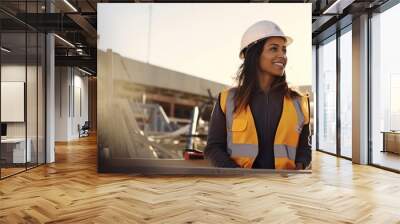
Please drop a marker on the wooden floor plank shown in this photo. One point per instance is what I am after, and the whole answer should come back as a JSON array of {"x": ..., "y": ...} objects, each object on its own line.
[{"x": 71, "y": 191}]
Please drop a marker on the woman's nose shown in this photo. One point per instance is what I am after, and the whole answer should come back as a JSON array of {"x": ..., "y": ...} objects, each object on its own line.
[{"x": 282, "y": 54}]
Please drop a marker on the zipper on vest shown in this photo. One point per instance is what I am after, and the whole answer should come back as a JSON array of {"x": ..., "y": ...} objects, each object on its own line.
[
  {"x": 267, "y": 115},
  {"x": 266, "y": 112}
]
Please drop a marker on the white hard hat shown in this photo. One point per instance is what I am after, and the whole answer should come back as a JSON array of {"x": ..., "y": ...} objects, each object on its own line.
[{"x": 261, "y": 30}]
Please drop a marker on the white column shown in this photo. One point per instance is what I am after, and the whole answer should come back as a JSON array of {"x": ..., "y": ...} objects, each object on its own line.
[
  {"x": 50, "y": 92},
  {"x": 62, "y": 103},
  {"x": 360, "y": 90},
  {"x": 50, "y": 99}
]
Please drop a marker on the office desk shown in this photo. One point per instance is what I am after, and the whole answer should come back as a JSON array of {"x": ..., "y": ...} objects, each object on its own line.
[
  {"x": 13, "y": 150},
  {"x": 391, "y": 141}
]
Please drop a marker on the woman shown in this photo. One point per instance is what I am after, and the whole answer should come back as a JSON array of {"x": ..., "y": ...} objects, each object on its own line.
[{"x": 261, "y": 123}]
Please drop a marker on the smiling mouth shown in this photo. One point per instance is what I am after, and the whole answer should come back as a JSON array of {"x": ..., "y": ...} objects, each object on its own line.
[{"x": 278, "y": 64}]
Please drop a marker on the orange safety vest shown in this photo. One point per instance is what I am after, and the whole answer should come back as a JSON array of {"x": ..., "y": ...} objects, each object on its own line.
[{"x": 242, "y": 141}]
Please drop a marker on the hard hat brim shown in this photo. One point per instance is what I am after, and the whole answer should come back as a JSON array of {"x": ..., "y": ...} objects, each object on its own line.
[{"x": 288, "y": 39}]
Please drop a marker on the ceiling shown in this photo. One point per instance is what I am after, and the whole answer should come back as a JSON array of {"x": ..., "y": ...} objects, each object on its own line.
[{"x": 75, "y": 22}]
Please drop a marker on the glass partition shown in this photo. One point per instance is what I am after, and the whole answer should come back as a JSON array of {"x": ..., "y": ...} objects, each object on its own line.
[
  {"x": 327, "y": 96},
  {"x": 41, "y": 91},
  {"x": 31, "y": 100},
  {"x": 22, "y": 90},
  {"x": 14, "y": 153},
  {"x": 385, "y": 89},
  {"x": 345, "y": 93}
]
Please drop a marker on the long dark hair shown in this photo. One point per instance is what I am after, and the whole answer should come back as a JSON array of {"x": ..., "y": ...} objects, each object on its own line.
[{"x": 247, "y": 77}]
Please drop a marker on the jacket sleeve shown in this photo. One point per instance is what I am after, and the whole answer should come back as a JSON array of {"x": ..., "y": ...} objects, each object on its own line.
[
  {"x": 303, "y": 152},
  {"x": 215, "y": 150}
]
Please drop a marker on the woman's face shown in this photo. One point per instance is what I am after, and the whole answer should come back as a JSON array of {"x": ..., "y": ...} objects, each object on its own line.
[{"x": 273, "y": 57}]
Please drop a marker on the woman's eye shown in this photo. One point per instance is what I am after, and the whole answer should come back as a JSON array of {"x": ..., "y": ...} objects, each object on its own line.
[{"x": 274, "y": 49}]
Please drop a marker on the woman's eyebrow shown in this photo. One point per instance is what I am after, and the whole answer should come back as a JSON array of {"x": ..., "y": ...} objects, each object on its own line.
[{"x": 277, "y": 45}]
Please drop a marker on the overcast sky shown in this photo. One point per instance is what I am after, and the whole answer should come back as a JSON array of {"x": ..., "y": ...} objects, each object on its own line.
[{"x": 202, "y": 39}]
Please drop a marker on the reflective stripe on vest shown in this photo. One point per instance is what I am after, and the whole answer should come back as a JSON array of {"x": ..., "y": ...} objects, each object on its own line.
[{"x": 242, "y": 142}]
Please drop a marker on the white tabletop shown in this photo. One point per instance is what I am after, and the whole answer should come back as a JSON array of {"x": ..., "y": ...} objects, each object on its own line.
[{"x": 13, "y": 140}]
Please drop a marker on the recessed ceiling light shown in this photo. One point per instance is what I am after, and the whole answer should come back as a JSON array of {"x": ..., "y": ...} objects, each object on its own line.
[
  {"x": 84, "y": 71},
  {"x": 70, "y": 5},
  {"x": 5, "y": 50},
  {"x": 338, "y": 6},
  {"x": 64, "y": 40}
]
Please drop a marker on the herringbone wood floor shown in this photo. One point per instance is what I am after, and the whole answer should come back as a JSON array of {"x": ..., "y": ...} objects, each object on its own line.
[{"x": 71, "y": 191}]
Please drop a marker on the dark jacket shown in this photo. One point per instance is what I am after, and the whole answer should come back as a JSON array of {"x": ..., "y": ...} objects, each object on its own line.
[{"x": 266, "y": 108}]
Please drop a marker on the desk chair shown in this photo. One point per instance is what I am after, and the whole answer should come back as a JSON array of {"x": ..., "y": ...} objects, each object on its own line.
[{"x": 84, "y": 130}]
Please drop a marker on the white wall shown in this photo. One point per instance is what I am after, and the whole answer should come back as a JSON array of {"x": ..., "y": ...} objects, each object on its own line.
[
  {"x": 62, "y": 81},
  {"x": 79, "y": 117},
  {"x": 33, "y": 126},
  {"x": 15, "y": 73},
  {"x": 70, "y": 83}
]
